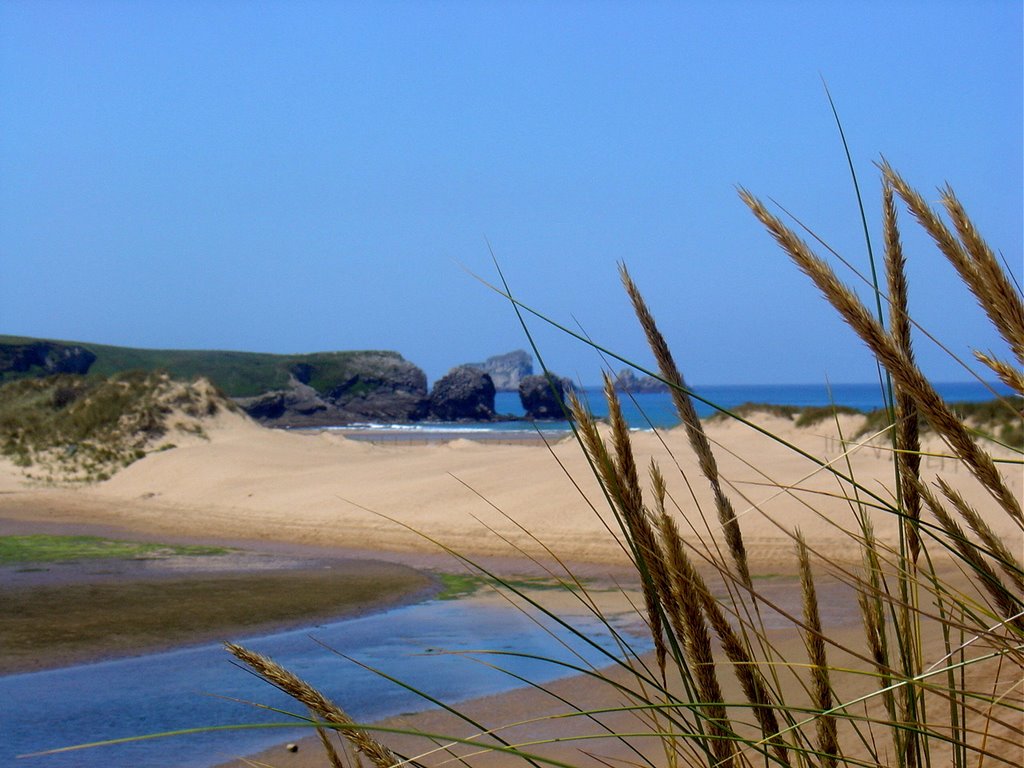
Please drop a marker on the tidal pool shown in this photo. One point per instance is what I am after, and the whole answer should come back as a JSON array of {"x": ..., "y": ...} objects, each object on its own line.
[{"x": 199, "y": 686}]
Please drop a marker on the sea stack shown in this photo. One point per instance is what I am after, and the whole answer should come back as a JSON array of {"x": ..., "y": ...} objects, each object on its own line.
[
  {"x": 463, "y": 394},
  {"x": 542, "y": 397}
]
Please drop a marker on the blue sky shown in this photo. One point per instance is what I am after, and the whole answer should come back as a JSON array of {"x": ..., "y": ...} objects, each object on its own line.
[{"x": 304, "y": 176}]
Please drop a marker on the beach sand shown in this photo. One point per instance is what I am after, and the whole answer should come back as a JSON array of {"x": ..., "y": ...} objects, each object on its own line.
[
  {"x": 504, "y": 504},
  {"x": 246, "y": 482}
]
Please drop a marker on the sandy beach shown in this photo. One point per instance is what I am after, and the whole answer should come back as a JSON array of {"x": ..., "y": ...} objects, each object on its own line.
[
  {"x": 246, "y": 482},
  {"x": 509, "y": 506}
]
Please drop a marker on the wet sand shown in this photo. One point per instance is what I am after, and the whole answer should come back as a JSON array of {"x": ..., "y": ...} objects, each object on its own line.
[{"x": 62, "y": 613}]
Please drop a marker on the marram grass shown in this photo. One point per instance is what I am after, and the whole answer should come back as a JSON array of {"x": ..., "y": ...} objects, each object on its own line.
[
  {"x": 720, "y": 691},
  {"x": 77, "y": 429}
]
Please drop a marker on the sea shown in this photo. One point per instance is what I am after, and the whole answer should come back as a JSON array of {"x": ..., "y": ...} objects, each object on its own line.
[{"x": 656, "y": 411}]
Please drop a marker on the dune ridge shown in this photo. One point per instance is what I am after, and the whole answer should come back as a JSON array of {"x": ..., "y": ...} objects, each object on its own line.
[{"x": 240, "y": 480}]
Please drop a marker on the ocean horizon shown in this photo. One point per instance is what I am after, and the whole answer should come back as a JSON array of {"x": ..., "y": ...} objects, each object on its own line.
[{"x": 655, "y": 409}]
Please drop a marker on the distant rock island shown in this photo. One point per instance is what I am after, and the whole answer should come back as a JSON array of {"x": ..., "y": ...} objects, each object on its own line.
[
  {"x": 308, "y": 390},
  {"x": 508, "y": 370},
  {"x": 463, "y": 394},
  {"x": 466, "y": 393},
  {"x": 627, "y": 381}
]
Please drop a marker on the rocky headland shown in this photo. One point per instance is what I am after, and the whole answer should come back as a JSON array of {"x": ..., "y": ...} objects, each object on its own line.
[
  {"x": 373, "y": 387},
  {"x": 309, "y": 390}
]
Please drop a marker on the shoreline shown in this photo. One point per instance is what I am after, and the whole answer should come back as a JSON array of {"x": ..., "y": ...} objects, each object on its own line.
[
  {"x": 64, "y": 614},
  {"x": 294, "y": 559},
  {"x": 279, "y": 569},
  {"x": 415, "y": 435},
  {"x": 536, "y": 715},
  {"x": 501, "y": 505},
  {"x": 491, "y": 709}
]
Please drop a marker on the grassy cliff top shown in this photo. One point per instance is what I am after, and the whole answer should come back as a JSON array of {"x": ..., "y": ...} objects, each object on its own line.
[{"x": 237, "y": 374}]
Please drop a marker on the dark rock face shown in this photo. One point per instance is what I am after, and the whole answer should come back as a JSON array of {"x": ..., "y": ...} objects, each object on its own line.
[
  {"x": 506, "y": 371},
  {"x": 304, "y": 400},
  {"x": 46, "y": 357},
  {"x": 539, "y": 401},
  {"x": 303, "y": 372},
  {"x": 266, "y": 407},
  {"x": 382, "y": 406},
  {"x": 379, "y": 387},
  {"x": 386, "y": 388},
  {"x": 464, "y": 393},
  {"x": 627, "y": 381}
]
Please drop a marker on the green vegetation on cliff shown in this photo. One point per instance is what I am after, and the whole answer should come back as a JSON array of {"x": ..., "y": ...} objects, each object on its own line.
[{"x": 237, "y": 374}]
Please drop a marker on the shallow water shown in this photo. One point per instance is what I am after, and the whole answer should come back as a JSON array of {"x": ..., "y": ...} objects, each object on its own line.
[{"x": 193, "y": 687}]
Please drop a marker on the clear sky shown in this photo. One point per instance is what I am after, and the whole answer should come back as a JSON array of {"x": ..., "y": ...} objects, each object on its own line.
[{"x": 305, "y": 176}]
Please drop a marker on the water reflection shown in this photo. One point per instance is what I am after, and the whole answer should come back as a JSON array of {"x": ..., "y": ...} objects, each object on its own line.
[{"x": 196, "y": 686}]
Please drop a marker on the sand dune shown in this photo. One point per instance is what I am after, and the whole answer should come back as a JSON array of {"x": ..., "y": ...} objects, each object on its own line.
[{"x": 320, "y": 488}]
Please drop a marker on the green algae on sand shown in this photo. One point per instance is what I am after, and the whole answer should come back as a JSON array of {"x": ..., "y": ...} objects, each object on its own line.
[{"x": 46, "y": 548}]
